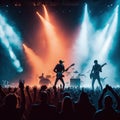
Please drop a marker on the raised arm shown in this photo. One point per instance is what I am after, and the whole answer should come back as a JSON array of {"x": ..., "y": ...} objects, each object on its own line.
[
  {"x": 22, "y": 104},
  {"x": 35, "y": 94},
  {"x": 100, "y": 106},
  {"x": 116, "y": 97},
  {"x": 28, "y": 93},
  {"x": 54, "y": 69},
  {"x": 2, "y": 92}
]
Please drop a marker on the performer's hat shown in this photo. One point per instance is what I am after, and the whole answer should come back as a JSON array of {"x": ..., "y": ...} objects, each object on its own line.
[{"x": 60, "y": 61}]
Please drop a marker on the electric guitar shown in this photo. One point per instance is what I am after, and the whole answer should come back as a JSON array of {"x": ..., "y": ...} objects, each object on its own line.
[
  {"x": 93, "y": 74},
  {"x": 60, "y": 74}
]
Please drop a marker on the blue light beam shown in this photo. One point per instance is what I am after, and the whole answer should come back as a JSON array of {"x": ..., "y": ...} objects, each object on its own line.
[
  {"x": 81, "y": 49},
  {"x": 110, "y": 37},
  {"x": 5, "y": 36},
  {"x": 10, "y": 33}
]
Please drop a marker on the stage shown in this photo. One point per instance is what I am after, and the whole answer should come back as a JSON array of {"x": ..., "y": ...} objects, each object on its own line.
[{"x": 35, "y": 35}]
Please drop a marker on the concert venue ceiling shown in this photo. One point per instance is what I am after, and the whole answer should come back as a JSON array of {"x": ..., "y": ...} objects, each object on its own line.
[{"x": 35, "y": 34}]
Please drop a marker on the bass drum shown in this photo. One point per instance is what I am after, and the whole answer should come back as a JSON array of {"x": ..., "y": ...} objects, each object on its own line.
[
  {"x": 75, "y": 82},
  {"x": 44, "y": 81}
]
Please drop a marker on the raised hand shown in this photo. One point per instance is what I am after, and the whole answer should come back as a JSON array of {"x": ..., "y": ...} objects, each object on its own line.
[
  {"x": 110, "y": 88},
  {"x": 0, "y": 87},
  {"x": 105, "y": 89},
  {"x": 21, "y": 84},
  {"x": 34, "y": 89},
  {"x": 15, "y": 89},
  {"x": 27, "y": 88}
]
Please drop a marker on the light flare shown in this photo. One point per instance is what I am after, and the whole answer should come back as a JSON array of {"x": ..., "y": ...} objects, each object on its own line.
[
  {"x": 56, "y": 46},
  {"x": 46, "y": 13},
  {"x": 35, "y": 63}
]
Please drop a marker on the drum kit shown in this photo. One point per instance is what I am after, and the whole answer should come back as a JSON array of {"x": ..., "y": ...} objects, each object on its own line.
[
  {"x": 44, "y": 80},
  {"x": 77, "y": 75}
]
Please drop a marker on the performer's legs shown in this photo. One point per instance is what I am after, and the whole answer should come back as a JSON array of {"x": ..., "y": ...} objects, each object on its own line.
[
  {"x": 93, "y": 81},
  {"x": 99, "y": 83},
  {"x": 62, "y": 82},
  {"x": 56, "y": 82}
]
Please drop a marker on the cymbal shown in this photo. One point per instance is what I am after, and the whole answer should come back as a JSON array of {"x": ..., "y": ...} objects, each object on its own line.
[
  {"x": 48, "y": 76},
  {"x": 76, "y": 71}
]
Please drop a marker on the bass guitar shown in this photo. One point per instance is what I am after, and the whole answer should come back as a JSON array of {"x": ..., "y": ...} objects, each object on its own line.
[{"x": 93, "y": 74}]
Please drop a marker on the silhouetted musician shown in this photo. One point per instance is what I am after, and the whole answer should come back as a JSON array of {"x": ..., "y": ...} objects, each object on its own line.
[
  {"x": 95, "y": 73},
  {"x": 59, "y": 69}
]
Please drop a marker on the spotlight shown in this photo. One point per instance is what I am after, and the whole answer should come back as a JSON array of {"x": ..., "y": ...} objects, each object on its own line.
[
  {"x": 100, "y": 37},
  {"x": 81, "y": 47},
  {"x": 14, "y": 59},
  {"x": 33, "y": 59},
  {"x": 53, "y": 39},
  {"x": 46, "y": 13},
  {"x": 10, "y": 32},
  {"x": 8, "y": 38},
  {"x": 110, "y": 36}
]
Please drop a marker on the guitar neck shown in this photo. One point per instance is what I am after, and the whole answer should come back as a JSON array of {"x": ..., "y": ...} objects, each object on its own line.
[
  {"x": 69, "y": 67},
  {"x": 103, "y": 65}
]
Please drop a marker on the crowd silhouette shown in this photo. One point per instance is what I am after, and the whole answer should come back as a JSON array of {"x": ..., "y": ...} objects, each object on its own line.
[{"x": 26, "y": 103}]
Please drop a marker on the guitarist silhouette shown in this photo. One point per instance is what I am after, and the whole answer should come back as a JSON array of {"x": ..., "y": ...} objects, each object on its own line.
[
  {"x": 96, "y": 69},
  {"x": 59, "y": 70}
]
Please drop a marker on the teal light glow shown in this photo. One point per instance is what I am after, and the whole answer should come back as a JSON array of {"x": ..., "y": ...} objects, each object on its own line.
[{"x": 9, "y": 38}]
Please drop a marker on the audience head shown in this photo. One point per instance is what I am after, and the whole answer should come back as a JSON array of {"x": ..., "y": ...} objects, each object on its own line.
[
  {"x": 43, "y": 88},
  {"x": 11, "y": 100},
  {"x": 108, "y": 101},
  {"x": 43, "y": 96},
  {"x": 66, "y": 94},
  {"x": 67, "y": 105},
  {"x": 84, "y": 98}
]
